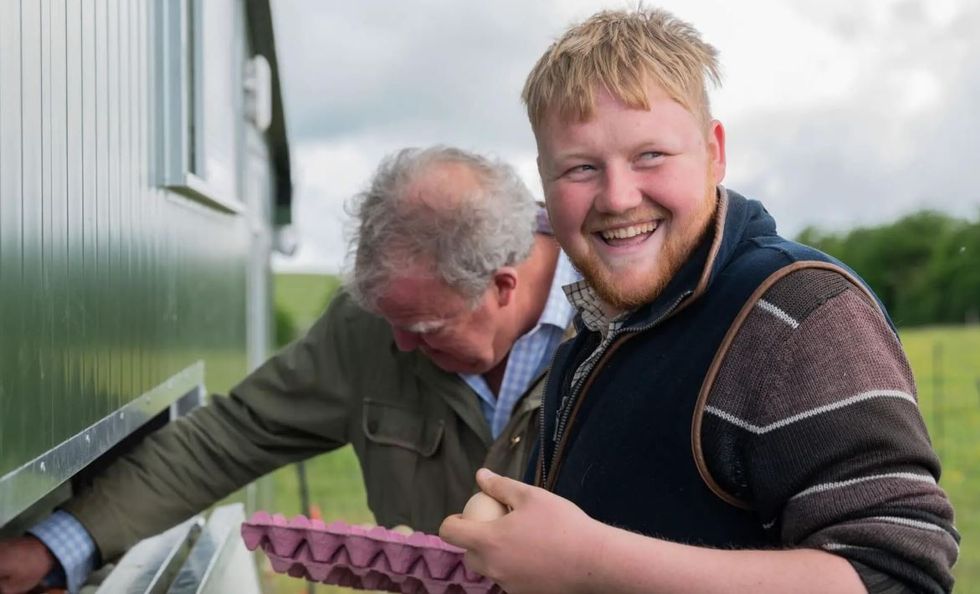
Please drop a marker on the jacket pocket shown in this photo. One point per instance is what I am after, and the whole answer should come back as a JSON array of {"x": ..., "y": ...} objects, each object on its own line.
[{"x": 388, "y": 424}]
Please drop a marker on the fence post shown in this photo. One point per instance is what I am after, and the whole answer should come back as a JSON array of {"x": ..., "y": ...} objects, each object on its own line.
[
  {"x": 937, "y": 398},
  {"x": 304, "y": 503}
]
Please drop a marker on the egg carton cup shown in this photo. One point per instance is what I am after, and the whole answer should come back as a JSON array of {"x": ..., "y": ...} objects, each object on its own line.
[{"x": 363, "y": 558}]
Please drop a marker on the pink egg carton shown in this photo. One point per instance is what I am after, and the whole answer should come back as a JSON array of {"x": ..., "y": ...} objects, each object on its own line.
[{"x": 367, "y": 559}]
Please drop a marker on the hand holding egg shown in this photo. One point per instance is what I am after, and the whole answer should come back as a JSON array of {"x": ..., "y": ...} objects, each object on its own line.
[{"x": 483, "y": 508}]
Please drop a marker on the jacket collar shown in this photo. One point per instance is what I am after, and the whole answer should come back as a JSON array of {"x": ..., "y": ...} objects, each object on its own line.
[{"x": 736, "y": 219}]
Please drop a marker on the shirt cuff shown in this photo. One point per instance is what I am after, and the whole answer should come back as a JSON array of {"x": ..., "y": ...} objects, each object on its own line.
[{"x": 71, "y": 545}]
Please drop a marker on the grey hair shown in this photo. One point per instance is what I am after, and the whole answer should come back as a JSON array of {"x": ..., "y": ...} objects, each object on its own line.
[{"x": 466, "y": 239}]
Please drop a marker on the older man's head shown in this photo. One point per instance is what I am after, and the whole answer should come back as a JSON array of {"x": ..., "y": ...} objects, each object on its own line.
[{"x": 440, "y": 232}]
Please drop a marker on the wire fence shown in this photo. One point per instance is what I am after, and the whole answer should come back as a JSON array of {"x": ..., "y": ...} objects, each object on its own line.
[{"x": 949, "y": 395}]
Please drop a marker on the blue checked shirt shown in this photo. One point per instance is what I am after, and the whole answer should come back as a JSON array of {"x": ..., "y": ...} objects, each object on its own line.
[
  {"x": 71, "y": 545},
  {"x": 531, "y": 354}
]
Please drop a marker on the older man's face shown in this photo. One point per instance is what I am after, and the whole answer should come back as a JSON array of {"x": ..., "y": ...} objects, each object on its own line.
[
  {"x": 630, "y": 192},
  {"x": 426, "y": 314}
]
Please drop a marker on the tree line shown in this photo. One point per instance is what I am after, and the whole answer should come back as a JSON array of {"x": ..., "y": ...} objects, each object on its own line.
[{"x": 925, "y": 267}]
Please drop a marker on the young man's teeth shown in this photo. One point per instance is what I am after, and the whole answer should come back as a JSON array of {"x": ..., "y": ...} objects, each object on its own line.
[{"x": 628, "y": 232}]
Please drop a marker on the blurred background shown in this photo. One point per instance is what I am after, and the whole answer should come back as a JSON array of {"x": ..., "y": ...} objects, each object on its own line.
[{"x": 853, "y": 121}]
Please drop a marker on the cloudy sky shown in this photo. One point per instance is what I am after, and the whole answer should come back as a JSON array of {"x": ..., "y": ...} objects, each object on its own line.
[{"x": 839, "y": 113}]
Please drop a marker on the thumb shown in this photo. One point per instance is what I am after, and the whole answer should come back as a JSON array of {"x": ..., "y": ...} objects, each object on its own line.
[{"x": 505, "y": 490}]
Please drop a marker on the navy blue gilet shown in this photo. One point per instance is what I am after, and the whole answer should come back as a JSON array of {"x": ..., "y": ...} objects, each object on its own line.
[{"x": 626, "y": 457}]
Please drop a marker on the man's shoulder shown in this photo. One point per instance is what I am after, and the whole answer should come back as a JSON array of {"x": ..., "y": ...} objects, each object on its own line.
[
  {"x": 807, "y": 278},
  {"x": 788, "y": 270},
  {"x": 803, "y": 287},
  {"x": 779, "y": 251},
  {"x": 345, "y": 317}
]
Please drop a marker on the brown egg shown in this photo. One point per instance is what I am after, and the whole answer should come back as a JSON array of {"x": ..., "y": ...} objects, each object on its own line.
[{"x": 483, "y": 508}]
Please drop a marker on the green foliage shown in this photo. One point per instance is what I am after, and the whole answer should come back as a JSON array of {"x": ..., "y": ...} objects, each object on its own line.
[
  {"x": 925, "y": 267},
  {"x": 304, "y": 296},
  {"x": 285, "y": 327}
]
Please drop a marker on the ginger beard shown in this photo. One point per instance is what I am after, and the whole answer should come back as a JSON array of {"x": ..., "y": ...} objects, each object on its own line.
[{"x": 678, "y": 244}]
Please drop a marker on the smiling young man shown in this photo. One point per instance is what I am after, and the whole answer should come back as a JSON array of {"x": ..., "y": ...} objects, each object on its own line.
[{"x": 736, "y": 413}]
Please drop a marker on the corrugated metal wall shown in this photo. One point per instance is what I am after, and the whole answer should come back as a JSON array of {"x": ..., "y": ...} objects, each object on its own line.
[{"x": 108, "y": 284}]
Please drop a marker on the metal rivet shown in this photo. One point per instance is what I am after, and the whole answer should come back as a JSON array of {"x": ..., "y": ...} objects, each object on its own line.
[
  {"x": 515, "y": 440},
  {"x": 43, "y": 467},
  {"x": 88, "y": 438}
]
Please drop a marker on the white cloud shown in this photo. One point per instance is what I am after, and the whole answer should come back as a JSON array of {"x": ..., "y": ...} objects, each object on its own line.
[{"x": 838, "y": 112}]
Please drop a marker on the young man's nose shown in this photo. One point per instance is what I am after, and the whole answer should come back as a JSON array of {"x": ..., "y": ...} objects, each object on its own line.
[{"x": 619, "y": 192}]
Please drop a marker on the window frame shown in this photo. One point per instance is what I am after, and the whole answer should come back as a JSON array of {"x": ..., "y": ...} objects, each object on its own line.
[{"x": 182, "y": 115}]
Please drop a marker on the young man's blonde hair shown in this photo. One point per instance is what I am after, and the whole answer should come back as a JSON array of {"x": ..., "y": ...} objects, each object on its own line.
[{"x": 622, "y": 51}]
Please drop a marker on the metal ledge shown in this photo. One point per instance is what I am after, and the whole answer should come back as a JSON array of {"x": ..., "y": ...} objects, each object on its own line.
[
  {"x": 195, "y": 189},
  {"x": 150, "y": 566},
  {"x": 219, "y": 561},
  {"x": 20, "y": 488}
]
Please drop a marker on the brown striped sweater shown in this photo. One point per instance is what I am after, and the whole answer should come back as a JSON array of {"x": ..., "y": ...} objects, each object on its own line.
[{"x": 812, "y": 421}]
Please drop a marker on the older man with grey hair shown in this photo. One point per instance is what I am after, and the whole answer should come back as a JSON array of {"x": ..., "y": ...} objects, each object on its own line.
[{"x": 429, "y": 363}]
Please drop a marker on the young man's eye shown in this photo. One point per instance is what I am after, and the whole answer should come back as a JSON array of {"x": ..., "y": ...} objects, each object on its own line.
[
  {"x": 650, "y": 155},
  {"x": 579, "y": 171}
]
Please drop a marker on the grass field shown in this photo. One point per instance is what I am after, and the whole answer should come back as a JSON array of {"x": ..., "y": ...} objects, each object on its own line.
[
  {"x": 949, "y": 396},
  {"x": 946, "y": 362},
  {"x": 304, "y": 296}
]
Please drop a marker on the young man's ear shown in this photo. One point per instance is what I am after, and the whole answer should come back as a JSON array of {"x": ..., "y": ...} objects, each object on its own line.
[
  {"x": 716, "y": 150},
  {"x": 504, "y": 284}
]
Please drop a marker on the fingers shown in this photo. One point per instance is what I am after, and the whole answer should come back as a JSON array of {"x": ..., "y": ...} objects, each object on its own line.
[
  {"x": 469, "y": 535},
  {"x": 460, "y": 532},
  {"x": 24, "y": 561},
  {"x": 472, "y": 562},
  {"x": 505, "y": 490}
]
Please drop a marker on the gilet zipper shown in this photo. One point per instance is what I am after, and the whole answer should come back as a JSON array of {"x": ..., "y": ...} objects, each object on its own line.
[{"x": 618, "y": 337}]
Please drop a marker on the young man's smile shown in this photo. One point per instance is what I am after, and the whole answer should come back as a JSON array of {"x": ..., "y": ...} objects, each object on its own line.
[{"x": 631, "y": 191}]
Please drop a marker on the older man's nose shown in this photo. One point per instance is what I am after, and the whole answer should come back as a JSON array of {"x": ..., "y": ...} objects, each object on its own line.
[{"x": 405, "y": 340}]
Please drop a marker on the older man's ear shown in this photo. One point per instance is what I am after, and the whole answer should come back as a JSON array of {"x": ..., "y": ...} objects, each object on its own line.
[{"x": 505, "y": 283}]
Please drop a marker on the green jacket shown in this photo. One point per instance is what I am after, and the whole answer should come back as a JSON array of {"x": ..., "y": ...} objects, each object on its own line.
[{"x": 418, "y": 432}]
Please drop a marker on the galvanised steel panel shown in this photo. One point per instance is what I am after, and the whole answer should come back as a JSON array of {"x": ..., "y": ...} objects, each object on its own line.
[
  {"x": 10, "y": 231},
  {"x": 109, "y": 284},
  {"x": 22, "y": 486},
  {"x": 30, "y": 319}
]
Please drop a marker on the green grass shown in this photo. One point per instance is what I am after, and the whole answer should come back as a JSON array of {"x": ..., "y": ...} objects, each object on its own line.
[
  {"x": 304, "y": 296},
  {"x": 949, "y": 396},
  {"x": 951, "y": 408}
]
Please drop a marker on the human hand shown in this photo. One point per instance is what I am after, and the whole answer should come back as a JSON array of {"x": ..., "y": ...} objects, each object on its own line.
[
  {"x": 24, "y": 561},
  {"x": 546, "y": 544}
]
